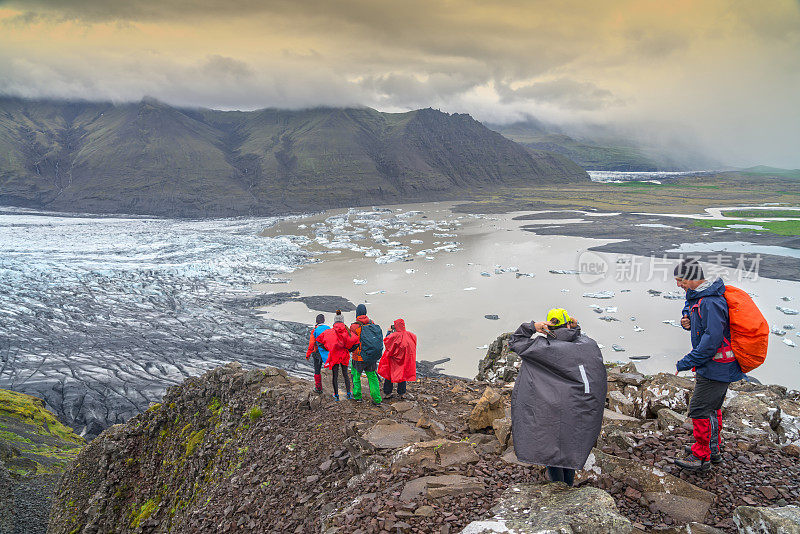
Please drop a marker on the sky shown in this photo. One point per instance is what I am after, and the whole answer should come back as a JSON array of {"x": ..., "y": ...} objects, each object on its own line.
[{"x": 725, "y": 73}]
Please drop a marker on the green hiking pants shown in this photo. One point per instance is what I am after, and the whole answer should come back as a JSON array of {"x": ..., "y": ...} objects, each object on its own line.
[{"x": 372, "y": 377}]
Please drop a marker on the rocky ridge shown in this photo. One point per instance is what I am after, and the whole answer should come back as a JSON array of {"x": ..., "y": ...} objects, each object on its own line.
[
  {"x": 35, "y": 448},
  {"x": 256, "y": 451}
]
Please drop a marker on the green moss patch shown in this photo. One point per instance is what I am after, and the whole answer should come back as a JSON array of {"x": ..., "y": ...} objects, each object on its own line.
[
  {"x": 195, "y": 439},
  {"x": 145, "y": 511}
]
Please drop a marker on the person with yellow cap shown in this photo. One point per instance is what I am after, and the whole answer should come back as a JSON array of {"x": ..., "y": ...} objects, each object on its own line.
[{"x": 559, "y": 396}]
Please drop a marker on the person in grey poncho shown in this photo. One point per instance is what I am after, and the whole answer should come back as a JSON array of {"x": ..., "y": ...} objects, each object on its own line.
[{"x": 559, "y": 396}]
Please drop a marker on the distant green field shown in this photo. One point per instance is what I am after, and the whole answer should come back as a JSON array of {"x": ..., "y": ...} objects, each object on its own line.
[
  {"x": 650, "y": 185},
  {"x": 775, "y": 227},
  {"x": 762, "y": 213}
]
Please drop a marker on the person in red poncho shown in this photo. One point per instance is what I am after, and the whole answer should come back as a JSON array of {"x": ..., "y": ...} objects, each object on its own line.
[
  {"x": 338, "y": 340},
  {"x": 398, "y": 364}
]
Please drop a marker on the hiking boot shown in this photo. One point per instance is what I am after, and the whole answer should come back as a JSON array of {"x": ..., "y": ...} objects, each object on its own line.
[
  {"x": 693, "y": 463},
  {"x": 349, "y": 395},
  {"x": 376, "y": 403},
  {"x": 353, "y": 397},
  {"x": 335, "y": 397},
  {"x": 318, "y": 391},
  {"x": 716, "y": 459}
]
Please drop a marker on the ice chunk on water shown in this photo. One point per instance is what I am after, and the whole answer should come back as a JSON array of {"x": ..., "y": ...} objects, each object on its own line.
[
  {"x": 789, "y": 342},
  {"x": 607, "y": 318},
  {"x": 672, "y": 322},
  {"x": 777, "y": 331},
  {"x": 410, "y": 271},
  {"x": 428, "y": 295},
  {"x": 637, "y": 328},
  {"x": 528, "y": 275},
  {"x": 787, "y": 311},
  {"x": 786, "y": 298},
  {"x": 611, "y": 309},
  {"x": 470, "y": 288},
  {"x": 378, "y": 292},
  {"x": 417, "y": 241},
  {"x": 563, "y": 271},
  {"x": 359, "y": 282},
  {"x": 607, "y": 294},
  {"x": 674, "y": 296},
  {"x": 617, "y": 348},
  {"x": 484, "y": 273}
]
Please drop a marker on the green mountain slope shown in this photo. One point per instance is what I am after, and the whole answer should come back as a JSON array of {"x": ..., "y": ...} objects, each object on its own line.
[{"x": 151, "y": 158}]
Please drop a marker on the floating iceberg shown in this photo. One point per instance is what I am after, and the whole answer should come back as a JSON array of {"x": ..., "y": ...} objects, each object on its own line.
[
  {"x": 379, "y": 292},
  {"x": 672, "y": 322},
  {"x": 789, "y": 342},
  {"x": 410, "y": 271},
  {"x": 358, "y": 282},
  {"x": 787, "y": 311},
  {"x": 470, "y": 288},
  {"x": 528, "y": 275},
  {"x": 617, "y": 348},
  {"x": 637, "y": 328},
  {"x": 786, "y": 299},
  {"x": 674, "y": 296},
  {"x": 563, "y": 271},
  {"x": 484, "y": 273},
  {"x": 777, "y": 331},
  {"x": 608, "y": 318},
  {"x": 600, "y": 295}
]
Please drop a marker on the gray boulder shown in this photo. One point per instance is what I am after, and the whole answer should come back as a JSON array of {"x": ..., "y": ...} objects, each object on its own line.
[
  {"x": 553, "y": 508},
  {"x": 388, "y": 434},
  {"x": 759, "y": 519}
]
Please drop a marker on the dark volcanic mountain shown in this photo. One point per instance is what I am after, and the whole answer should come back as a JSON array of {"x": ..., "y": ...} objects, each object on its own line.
[{"x": 150, "y": 158}]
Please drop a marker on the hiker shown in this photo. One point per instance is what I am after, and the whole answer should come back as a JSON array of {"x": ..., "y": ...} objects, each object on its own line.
[
  {"x": 318, "y": 351},
  {"x": 559, "y": 396},
  {"x": 399, "y": 361},
  {"x": 366, "y": 354},
  {"x": 705, "y": 315},
  {"x": 338, "y": 340}
]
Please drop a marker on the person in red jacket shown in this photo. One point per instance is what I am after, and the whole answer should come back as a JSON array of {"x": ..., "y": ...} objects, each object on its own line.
[
  {"x": 398, "y": 364},
  {"x": 338, "y": 340}
]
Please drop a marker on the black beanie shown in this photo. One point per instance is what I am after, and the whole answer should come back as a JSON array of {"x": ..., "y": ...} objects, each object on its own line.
[
  {"x": 361, "y": 310},
  {"x": 320, "y": 319},
  {"x": 689, "y": 269}
]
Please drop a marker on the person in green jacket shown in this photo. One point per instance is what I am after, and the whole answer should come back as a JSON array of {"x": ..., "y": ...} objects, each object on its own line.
[{"x": 358, "y": 365}]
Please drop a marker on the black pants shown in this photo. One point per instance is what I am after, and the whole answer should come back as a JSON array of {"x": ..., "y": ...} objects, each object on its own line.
[
  {"x": 317, "y": 363},
  {"x": 345, "y": 375},
  {"x": 561, "y": 474},
  {"x": 388, "y": 386}
]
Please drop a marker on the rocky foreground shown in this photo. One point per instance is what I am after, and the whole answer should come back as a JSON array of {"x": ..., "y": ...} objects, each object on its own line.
[{"x": 257, "y": 451}]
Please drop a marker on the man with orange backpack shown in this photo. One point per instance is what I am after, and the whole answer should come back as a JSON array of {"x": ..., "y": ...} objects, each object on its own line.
[{"x": 706, "y": 316}]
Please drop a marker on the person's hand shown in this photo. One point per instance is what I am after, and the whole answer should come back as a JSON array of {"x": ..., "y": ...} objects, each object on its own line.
[
  {"x": 542, "y": 327},
  {"x": 686, "y": 323}
]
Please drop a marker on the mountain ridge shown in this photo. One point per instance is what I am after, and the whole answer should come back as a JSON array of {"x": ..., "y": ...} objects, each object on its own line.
[{"x": 155, "y": 159}]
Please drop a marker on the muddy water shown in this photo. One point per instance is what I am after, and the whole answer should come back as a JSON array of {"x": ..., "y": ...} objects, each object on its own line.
[{"x": 434, "y": 298}]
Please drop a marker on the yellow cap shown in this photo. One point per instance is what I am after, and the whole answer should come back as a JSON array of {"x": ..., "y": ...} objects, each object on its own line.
[{"x": 558, "y": 316}]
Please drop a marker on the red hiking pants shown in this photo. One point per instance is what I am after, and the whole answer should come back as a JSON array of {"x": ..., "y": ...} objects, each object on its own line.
[{"x": 705, "y": 409}]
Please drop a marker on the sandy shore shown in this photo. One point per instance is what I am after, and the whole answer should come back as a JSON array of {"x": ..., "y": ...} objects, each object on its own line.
[{"x": 444, "y": 299}]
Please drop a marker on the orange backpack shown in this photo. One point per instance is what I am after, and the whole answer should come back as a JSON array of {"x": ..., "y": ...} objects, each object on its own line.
[{"x": 749, "y": 329}]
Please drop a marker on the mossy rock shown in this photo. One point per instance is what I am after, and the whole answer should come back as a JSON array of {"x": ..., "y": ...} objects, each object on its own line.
[{"x": 32, "y": 439}]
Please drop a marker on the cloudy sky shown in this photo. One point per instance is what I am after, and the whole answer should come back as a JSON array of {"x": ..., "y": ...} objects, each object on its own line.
[{"x": 726, "y": 71}]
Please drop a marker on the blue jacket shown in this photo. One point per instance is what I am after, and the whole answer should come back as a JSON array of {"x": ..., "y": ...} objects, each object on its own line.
[
  {"x": 323, "y": 352},
  {"x": 710, "y": 329}
]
